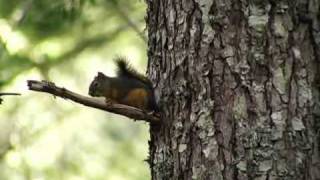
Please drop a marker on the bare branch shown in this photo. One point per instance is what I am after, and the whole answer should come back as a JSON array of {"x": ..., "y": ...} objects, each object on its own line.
[
  {"x": 7, "y": 94},
  {"x": 128, "y": 111}
]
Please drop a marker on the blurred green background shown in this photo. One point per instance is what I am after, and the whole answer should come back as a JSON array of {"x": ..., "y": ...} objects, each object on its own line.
[{"x": 67, "y": 42}]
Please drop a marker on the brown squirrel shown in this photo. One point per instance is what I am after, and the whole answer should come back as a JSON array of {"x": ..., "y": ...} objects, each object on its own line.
[{"x": 128, "y": 87}]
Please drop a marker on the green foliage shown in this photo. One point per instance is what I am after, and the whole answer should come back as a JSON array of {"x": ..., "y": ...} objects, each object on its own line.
[
  {"x": 67, "y": 41},
  {"x": 12, "y": 65},
  {"x": 8, "y": 7}
]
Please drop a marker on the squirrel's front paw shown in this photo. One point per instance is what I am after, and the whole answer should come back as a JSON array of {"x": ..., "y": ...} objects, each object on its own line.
[
  {"x": 109, "y": 102},
  {"x": 153, "y": 113}
]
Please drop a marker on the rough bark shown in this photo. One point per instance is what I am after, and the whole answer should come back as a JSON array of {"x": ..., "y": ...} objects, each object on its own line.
[{"x": 238, "y": 83}]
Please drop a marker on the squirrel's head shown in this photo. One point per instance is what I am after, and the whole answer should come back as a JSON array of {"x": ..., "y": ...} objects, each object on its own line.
[{"x": 99, "y": 85}]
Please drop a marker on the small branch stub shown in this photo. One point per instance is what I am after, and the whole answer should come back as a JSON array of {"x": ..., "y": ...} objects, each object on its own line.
[{"x": 128, "y": 111}]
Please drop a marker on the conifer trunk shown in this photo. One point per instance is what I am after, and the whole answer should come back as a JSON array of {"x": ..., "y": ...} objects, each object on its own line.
[{"x": 238, "y": 83}]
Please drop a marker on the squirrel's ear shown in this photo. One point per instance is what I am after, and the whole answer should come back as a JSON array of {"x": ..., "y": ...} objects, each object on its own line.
[{"x": 100, "y": 74}]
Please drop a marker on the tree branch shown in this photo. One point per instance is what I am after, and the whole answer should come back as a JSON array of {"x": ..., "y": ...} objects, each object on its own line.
[
  {"x": 9, "y": 94},
  {"x": 128, "y": 111}
]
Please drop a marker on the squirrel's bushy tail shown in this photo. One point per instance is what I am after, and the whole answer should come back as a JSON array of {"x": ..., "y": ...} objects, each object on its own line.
[{"x": 125, "y": 70}]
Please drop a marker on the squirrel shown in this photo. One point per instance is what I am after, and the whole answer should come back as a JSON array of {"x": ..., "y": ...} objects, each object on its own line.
[{"x": 129, "y": 87}]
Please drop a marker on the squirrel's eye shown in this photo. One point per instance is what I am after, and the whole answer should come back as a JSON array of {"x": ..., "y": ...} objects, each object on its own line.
[{"x": 95, "y": 84}]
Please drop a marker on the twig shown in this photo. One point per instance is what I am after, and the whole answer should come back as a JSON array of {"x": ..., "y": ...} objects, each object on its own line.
[
  {"x": 7, "y": 94},
  {"x": 128, "y": 111}
]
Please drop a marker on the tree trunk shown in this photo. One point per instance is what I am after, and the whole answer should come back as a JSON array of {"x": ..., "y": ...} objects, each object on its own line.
[{"x": 238, "y": 83}]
